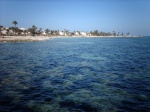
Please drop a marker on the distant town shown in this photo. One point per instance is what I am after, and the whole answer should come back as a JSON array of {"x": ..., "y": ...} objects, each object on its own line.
[{"x": 34, "y": 31}]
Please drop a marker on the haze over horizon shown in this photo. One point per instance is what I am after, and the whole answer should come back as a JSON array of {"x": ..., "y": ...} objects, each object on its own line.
[{"x": 83, "y": 15}]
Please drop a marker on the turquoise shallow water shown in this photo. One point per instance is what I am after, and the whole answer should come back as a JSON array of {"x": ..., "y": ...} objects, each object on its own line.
[{"x": 76, "y": 75}]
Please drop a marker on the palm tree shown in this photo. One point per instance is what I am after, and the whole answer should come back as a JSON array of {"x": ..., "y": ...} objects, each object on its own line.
[
  {"x": 109, "y": 34},
  {"x": 122, "y": 34},
  {"x": 32, "y": 30},
  {"x": 34, "y": 27},
  {"x": 56, "y": 32},
  {"x": 0, "y": 30},
  {"x": 40, "y": 31},
  {"x": 128, "y": 34},
  {"x": 7, "y": 31},
  {"x": 25, "y": 32},
  {"x": 15, "y": 23},
  {"x": 118, "y": 34},
  {"x": 114, "y": 33},
  {"x": 65, "y": 32},
  {"x": 47, "y": 31},
  {"x": 19, "y": 31}
]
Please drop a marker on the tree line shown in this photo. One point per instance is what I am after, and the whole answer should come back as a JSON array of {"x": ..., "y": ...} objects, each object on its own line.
[{"x": 35, "y": 31}]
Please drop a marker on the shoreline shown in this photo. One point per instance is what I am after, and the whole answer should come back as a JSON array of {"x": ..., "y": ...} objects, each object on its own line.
[
  {"x": 95, "y": 36},
  {"x": 43, "y": 38},
  {"x": 23, "y": 38}
]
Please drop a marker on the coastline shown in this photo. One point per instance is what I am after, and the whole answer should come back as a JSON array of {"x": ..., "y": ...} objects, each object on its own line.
[
  {"x": 95, "y": 37},
  {"x": 43, "y": 38},
  {"x": 23, "y": 38}
]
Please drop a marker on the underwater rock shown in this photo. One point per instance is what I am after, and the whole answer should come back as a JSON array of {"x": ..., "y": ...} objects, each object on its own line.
[
  {"x": 87, "y": 107},
  {"x": 67, "y": 103}
]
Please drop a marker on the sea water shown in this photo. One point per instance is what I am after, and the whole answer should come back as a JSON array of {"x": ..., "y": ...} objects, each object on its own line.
[{"x": 75, "y": 75}]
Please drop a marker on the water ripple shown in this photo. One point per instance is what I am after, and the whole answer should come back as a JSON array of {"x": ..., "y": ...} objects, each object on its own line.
[{"x": 75, "y": 75}]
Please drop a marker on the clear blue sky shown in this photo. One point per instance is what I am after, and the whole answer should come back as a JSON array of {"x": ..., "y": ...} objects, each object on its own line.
[{"x": 84, "y": 15}]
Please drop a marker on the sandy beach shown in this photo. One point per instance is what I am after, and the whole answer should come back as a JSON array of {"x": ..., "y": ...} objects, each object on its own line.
[
  {"x": 42, "y": 38},
  {"x": 23, "y": 38}
]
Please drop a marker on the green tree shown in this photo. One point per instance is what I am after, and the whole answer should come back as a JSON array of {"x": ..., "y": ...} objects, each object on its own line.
[
  {"x": 15, "y": 23},
  {"x": 114, "y": 33},
  {"x": 118, "y": 34},
  {"x": 109, "y": 34},
  {"x": 122, "y": 34},
  {"x": 25, "y": 32},
  {"x": 40, "y": 31},
  {"x": 56, "y": 32},
  {"x": 32, "y": 30},
  {"x": 12, "y": 29},
  {"x": 95, "y": 33},
  {"x": 1, "y": 30},
  {"x": 19, "y": 31},
  {"x": 47, "y": 31},
  {"x": 101, "y": 33}
]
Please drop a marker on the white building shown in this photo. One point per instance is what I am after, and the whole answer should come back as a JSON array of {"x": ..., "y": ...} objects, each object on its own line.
[
  {"x": 11, "y": 32},
  {"x": 61, "y": 33},
  {"x": 4, "y": 32},
  {"x": 43, "y": 33},
  {"x": 77, "y": 33},
  {"x": 83, "y": 33},
  {"x": 23, "y": 29}
]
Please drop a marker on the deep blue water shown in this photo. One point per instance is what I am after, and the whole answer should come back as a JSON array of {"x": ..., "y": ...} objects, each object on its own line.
[{"x": 76, "y": 75}]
